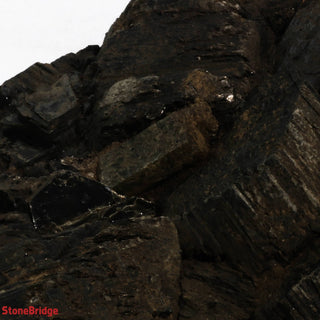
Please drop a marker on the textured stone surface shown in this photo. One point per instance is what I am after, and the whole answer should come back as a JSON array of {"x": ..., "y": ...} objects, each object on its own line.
[
  {"x": 208, "y": 108},
  {"x": 127, "y": 90},
  {"x": 254, "y": 206},
  {"x": 225, "y": 292},
  {"x": 150, "y": 45},
  {"x": 92, "y": 268},
  {"x": 44, "y": 104},
  {"x": 6, "y": 204},
  {"x": 127, "y": 107},
  {"x": 177, "y": 141},
  {"x": 228, "y": 39},
  {"x": 42, "y": 75},
  {"x": 48, "y": 107},
  {"x": 270, "y": 167},
  {"x": 66, "y": 195},
  {"x": 301, "y": 301},
  {"x": 301, "y": 44}
]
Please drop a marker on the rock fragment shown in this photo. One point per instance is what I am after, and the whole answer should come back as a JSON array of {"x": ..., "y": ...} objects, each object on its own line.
[
  {"x": 248, "y": 216},
  {"x": 177, "y": 141},
  {"x": 53, "y": 109},
  {"x": 66, "y": 195},
  {"x": 262, "y": 188},
  {"x": 91, "y": 267},
  {"x": 300, "y": 45}
]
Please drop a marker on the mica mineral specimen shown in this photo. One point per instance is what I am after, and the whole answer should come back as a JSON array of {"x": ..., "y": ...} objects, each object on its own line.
[{"x": 204, "y": 116}]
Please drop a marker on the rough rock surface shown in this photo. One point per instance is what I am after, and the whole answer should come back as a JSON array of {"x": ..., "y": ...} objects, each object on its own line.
[
  {"x": 93, "y": 266},
  {"x": 205, "y": 115},
  {"x": 165, "y": 147},
  {"x": 270, "y": 167},
  {"x": 66, "y": 195}
]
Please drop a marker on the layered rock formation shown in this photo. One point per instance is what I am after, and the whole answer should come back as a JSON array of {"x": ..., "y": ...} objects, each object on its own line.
[{"x": 171, "y": 173}]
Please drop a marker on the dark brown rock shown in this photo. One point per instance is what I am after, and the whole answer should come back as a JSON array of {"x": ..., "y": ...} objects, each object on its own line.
[
  {"x": 44, "y": 104},
  {"x": 177, "y": 141},
  {"x": 301, "y": 44},
  {"x": 40, "y": 76},
  {"x": 46, "y": 108},
  {"x": 90, "y": 268},
  {"x": 142, "y": 41},
  {"x": 131, "y": 105},
  {"x": 66, "y": 195},
  {"x": 269, "y": 168},
  {"x": 302, "y": 300},
  {"x": 253, "y": 207},
  {"x": 278, "y": 14},
  {"x": 148, "y": 105},
  {"x": 6, "y": 204},
  {"x": 220, "y": 287},
  {"x": 223, "y": 39},
  {"x": 127, "y": 107}
]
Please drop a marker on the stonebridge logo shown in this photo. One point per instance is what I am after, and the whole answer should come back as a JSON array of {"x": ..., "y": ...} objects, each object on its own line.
[{"x": 29, "y": 311}]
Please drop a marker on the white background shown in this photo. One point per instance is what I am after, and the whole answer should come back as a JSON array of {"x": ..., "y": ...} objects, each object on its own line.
[{"x": 43, "y": 30}]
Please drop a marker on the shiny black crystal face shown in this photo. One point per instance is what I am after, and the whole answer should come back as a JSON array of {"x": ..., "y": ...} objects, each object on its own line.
[{"x": 66, "y": 196}]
